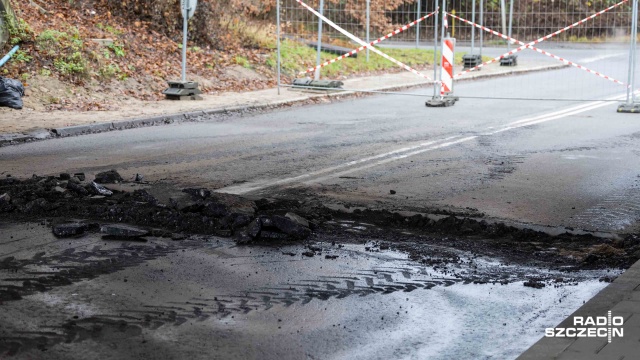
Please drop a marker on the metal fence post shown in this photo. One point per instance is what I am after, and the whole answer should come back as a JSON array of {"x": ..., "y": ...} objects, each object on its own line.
[
  {"x": 481, "y": 24},
  {"x": 185, "y": 29},
  {"x": 630, "y": 106},
  {"x": 473, "y": 28},
  {"x": 418, "y": 10},
  {"x": 503, "y": 16},
  {"x": 321, "y": 11},
  {"x": 442, "y": 36},
  {"x": 278, "y": 43},
  {"x": 436, "y": 90},
  {"x": 368, "y": 25},
  {"x": 510, "y": 24},
  {"x": 634, "y": 42}
]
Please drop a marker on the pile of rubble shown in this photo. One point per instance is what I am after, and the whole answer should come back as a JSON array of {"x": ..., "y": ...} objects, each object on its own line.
[{"x": 133, "y": 215}]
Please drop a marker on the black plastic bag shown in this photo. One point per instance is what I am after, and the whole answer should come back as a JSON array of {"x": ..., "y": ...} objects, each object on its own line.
[{"x": 11, "y": 93}]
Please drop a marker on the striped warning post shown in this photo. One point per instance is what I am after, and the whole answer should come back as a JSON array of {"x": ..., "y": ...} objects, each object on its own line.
[{"x": 447, "y": 66}]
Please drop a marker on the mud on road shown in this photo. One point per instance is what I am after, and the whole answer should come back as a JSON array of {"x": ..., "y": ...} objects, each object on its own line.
[{"x": 105, "y": 226}]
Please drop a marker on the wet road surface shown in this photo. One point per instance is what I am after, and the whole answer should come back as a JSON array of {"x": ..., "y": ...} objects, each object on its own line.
[
  {"x": 545, "y": 163},
  {"x": 206, "y": 297},
  {"x": 556, "y": 163}
]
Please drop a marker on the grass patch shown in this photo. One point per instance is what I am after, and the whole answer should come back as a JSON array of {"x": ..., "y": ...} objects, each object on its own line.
[
  {"x": 297, "y": 57},
  {"x": 243, "y": 61},
  {"x": 250, "y": 36},
  {"x": 66, "y": 49}
]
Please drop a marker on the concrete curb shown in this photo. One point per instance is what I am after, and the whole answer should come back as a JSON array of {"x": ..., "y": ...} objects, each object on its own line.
[{"x": 166, "y": 119}]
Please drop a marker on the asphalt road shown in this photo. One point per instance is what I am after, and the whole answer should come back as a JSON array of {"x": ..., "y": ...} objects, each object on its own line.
[
  {"x": 550, "y": 163},
  {"x": 557, "y": 163},
  {"x": 208, "y": 298}
]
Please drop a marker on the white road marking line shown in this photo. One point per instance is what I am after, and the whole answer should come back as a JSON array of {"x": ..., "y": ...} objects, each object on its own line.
[
  {"x": 394, "y": 158},
  {"x": 248, "y": 187},
  {"x": 603, "y": 57},
  {"x": 402, "y": 153}
]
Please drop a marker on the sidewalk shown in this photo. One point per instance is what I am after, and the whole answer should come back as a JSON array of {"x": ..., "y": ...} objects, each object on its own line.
[
  {"x": 622, "y": 297},
  {"x": 25, "y": 125}
]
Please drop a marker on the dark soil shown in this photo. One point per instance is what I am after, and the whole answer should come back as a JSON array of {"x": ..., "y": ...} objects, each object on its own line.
[{"x": 172, "y": 213}]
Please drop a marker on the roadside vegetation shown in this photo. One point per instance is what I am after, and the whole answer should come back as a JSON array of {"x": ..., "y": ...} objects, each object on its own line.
[
  {"x": 92, "y": 54},
  {"x": 297, "y": 57}
]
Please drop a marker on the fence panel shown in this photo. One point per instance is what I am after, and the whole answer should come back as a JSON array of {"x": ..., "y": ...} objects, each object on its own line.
[{"x": 561, "y": 49}]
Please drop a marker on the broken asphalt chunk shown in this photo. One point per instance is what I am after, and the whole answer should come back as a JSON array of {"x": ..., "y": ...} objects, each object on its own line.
[
  {"x": 36, "y": 205},
  {"x": 240, "y": 220},
  {"x": 215, "y": 210},
  {"x": 290, "y": 227},
  {"x": 101, "y": 189},
  {"x": 69, "y": 229},
  {"x": 273, "y": 235},
  {"x": 123, "y": 231},
  {"x": 254, "y": 228},
  {"x": 534, "y": 284},
  {"x": 198, "y": 193},
  {"x": 5, "y": 203},
  {"x": 297, "y": 218},
  {"x": 144, "y": 196},
  {"x": 80, "y": 176},
  {"x": 77, "y": 189},
  {"x": 108, "y": 177}
]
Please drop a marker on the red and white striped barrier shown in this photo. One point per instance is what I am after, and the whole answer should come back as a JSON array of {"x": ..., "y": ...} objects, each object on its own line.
[
  {"x": 362, "y": 43},
  {"x": 447, "y": 66},
  {"x": 568, "y": 62},
  {"x": 542, "y": 39},
  {"x": 389, "y": 35}
]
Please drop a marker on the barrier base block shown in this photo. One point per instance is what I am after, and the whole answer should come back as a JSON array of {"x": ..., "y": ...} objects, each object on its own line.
[
  {"x": 633, "y": 108},
  {"x": 442, "y": 101},
  {"x": 470, "y": 61},
  {"x": 511, "y": 60},
  {"x": 182, "y": 90},
  {"x": 322, "y": 84}
]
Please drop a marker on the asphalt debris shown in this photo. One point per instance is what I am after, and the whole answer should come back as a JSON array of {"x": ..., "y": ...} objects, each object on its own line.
[
  {"x": 108, "y": 177},
  {"x": 123, "y": 231},
  {"x": 303, "y": 218},
  {"x": 69, "y": 229}
]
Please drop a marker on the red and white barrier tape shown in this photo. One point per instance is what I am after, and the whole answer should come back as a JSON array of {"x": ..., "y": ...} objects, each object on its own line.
[
  {"x": 362, "y": 43},
  {"x": 568, "y": 62},
  {"x": 542, "y": 39},
  {"x": 389, "y": 35},
  {"x": 447, "y": 67}
]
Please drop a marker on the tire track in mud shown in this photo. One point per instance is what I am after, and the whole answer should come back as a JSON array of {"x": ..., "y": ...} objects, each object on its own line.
[
  {"x": 614, "y": 213},
  {"x": 78, "y": 266},
  {"x": 42, "y": 273},
  {"x": 126, "y": 323}
]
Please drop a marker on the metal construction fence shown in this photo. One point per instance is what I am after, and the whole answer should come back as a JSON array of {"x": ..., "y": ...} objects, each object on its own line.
[{"x": 567, "y": 49}]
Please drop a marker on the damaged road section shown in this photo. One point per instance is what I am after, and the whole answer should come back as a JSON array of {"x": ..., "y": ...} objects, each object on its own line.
[
  {"x": 195, "y": 211},
  {"x": 144, "y": 265},
  {"x": 156, "y": 211}
]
